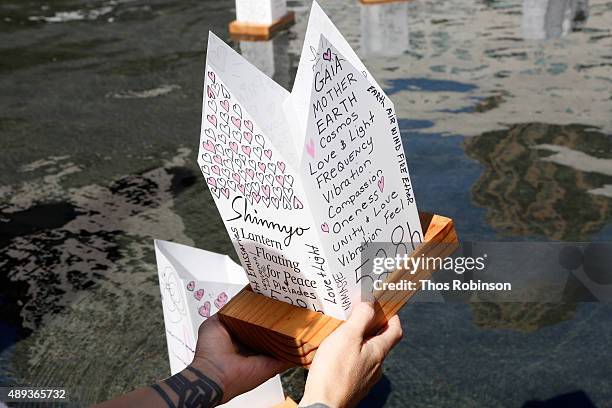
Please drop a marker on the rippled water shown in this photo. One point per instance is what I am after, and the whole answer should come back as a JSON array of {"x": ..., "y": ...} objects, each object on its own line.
[{"x": 506, "y": 116}]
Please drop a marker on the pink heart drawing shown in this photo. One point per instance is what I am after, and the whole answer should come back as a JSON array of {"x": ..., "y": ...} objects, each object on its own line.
[
  {"x": 310, "y": 148},
  {"x": 212, "y": 181},
  {"x": 210, "y": 92},
  {"x": 212, "y": 119},
  {"x": 241, "y": 188},
  {"x": 280, "y": 179},
  {"x": 234, "y": 146},
  {"x": 236, "y": 177},
  {"x": 221, "y": 300},
  {"x": 268, "y": 153},
  {"x": 247, "y": 150},
  {"x": 256, "y": 196},
  {"x": 248, "y": 135},
  {"x": 191, "y": 285},
  {"x": 250, "y": 172},
  {"x": 204, "y": 310},
  {"x": 327, "y": 55},
  {"x": 209, "y": 145},
  {"x": 381, "y": 183},
  {"x": 218, "y": 159},
  {"x": 325, "y": 227},
  {"x": 211, "y": 75},
  {"x": 249, "y": 125},
  {"x": 262, "y": 166},
  {"x": 297, "y": 204},
  {"x": 215, "y": 169},
  {"x": 266, "y": 190},
  {"x": 237, "y": 122},
  {"x": 225, "y": 192},
  {"x": 225, "y": 105},
  {"x": 281, "y": 166},
  {"x": 198, "y": 294}
]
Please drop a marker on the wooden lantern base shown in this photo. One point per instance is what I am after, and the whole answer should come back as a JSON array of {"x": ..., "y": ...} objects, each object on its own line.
[
  {"x": 259, "y": 32},
  {"x": 293, "y": 334}
]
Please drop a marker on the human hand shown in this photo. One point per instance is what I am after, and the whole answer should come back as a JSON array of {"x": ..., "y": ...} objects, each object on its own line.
[
  {"x": 348, "y": 363},
  {"x": 226, "y": 363},
  {"x": 220, "y": 370}
]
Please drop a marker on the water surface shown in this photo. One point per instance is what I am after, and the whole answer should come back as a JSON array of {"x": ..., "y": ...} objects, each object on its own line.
[{"x": 506, "y": 116}]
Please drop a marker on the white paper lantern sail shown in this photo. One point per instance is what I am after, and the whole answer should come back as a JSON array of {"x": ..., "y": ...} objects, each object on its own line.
[
  {"x": 260, "y": 11},
  {"x": 260, "y": 19},
  {"x": 306, "y": 181},
  {"x": 194, "y": 285}
]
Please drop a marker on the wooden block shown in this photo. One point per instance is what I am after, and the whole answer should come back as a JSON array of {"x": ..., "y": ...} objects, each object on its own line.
[
  {"x": 259, "y": 32},
  {"x": 288, "y": 403},
  {"x": 293, "y": 334}
]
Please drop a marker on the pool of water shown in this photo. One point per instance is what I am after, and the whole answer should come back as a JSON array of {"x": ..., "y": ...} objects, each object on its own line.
[{"x": 506, "y": 116}]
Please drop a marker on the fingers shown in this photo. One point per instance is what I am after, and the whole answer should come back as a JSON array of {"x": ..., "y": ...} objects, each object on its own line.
[
  {"x": 388, "y": 337},
  {"x": 361, "y": 317},
  {"x": 266, "y": 367}
]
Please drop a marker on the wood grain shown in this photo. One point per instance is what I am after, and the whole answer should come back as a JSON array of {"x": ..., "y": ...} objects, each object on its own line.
[
  {"x": 288, "y": 403},
  {"x": 259, "y": 32},
  {"x": 293, "y": 334}
]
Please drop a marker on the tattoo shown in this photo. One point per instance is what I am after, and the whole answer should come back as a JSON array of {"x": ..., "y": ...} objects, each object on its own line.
[
  {"x": 316, "y": 405},
  {"x": 201, "y": 392}
]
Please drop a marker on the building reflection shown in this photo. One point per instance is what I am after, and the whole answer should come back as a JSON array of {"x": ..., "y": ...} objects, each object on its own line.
[
  {"x": 271, "y": 57},
  {"x": 384, "y": 29},
  {"x": 529, "y": 189},
  {"x": 546, "y": 19}
]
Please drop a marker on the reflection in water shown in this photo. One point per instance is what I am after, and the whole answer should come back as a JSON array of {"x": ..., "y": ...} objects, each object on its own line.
[
  {"x": 526, "y": 193},
  {"x": 384, "y": 30},
  {"x": 522, "y": 317},
  {"x": 546, "y": 19},
  {"x": 271, "y": 57},
  {"x": 80, "y": 215}
]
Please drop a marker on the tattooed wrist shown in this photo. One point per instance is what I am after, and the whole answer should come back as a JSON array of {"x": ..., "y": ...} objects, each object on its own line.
[{"x": 189, "y": 389}]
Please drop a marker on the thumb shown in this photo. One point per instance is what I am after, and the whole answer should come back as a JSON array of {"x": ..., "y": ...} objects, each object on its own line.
[{"x": 361, "y": 317}]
